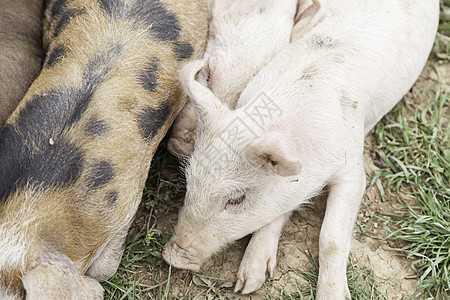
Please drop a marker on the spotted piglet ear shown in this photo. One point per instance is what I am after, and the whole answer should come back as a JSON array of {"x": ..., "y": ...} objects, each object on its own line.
[{"x": 273, "y": 153}]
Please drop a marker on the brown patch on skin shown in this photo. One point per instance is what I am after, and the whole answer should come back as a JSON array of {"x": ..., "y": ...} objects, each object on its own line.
[
  {"x": 20, "y": 51},
  {"x": 310, "y": 72},
  {"x": 76, "y": 219},
  {"x": 338, "y": 59},
  {"x": 319, "y": 41},
  {"x": 331, "y": 250},
  {"x": 347, "y": 102}
]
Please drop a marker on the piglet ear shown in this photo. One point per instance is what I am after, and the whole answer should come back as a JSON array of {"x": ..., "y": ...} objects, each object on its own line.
[
  {"x": 206, "y": 103},
  {"x": 309, "y": 13},
  {"x": 272, "y": 152}
]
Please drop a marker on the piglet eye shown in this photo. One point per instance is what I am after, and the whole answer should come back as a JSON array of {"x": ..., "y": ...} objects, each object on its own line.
[{"x": 236, "y": 201}]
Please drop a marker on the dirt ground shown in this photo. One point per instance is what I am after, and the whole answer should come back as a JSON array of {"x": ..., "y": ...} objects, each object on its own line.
[{"x": 392, "y": 272}]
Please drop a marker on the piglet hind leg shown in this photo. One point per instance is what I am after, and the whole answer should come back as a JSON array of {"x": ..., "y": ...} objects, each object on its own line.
[
  {"x": 344, "y": 198},
  {"x": 53, "y": 276},
  {"x": 260, "y": 256},
  {"x": 106, "y": 264}
]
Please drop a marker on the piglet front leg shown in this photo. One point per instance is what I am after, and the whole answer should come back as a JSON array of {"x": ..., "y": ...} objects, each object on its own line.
[
  {"x": 260, "y": 256},
  {"x": 344, "y": 198}
]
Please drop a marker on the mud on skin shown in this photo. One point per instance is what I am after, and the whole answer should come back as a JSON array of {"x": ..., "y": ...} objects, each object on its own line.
[{"x": 76, "y": 152}]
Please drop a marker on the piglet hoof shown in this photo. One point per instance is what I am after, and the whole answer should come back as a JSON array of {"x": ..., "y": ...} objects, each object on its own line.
[
  {"x": 252, "y": 271},
  {"x": 181, "y": 147},
  {"x": 249, "y": 285}
]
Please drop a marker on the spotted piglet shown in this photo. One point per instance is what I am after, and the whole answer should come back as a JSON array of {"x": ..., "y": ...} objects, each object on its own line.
[
  {"x": 298, "y": 127},
  {"x": 76, "y": 152},
  {"x": 20, "y": 51}
]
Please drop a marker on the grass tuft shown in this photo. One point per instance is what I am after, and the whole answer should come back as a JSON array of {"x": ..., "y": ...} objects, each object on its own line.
[{"x": 416, "y": 153}]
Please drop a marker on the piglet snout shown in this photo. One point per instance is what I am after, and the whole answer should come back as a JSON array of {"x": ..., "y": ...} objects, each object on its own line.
[{"x": 181, "y": 258}]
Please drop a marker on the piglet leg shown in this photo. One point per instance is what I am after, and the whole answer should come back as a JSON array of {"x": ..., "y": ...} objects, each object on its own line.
[
  {"x": 182, "y": 136},
  {"x": 53, "y": 276},
  {"x": 344, "y": 198},
  {"x": 260, "y": 256},
  {"x": 106, "y": 264}
]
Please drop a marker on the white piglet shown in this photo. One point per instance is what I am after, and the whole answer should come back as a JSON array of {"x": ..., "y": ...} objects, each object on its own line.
[
  {"x": 244, "y": 35},
  {"x": 299, "y": 127}
]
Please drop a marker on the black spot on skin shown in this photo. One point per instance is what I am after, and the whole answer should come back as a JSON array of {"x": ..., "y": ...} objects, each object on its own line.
[
  {"x": 44, "y": 55},
  {"x": 57, "y": 7},
  {"x": 112, "y": 197},
  {"x": 35, "y": 149},
  {"x": 55, "y": 56},
  {"x": 102, "y": 172},
  {"x": 154, "y": 16},
  {"x": 113, "y": 8},
  {"x": 46, "y": 3},
  {"x": 96, "y": 127},
  {"x": 64, "y": 19},
  {"x": 160, "y": 22},
  {"x": 182, "y": 50},
  {"x": 149, "y": 77},
  {"x": 60, "y": 164},
  {"x": 27, "y": 158},
  {"x": 151, "y": 120},
  {"x": 96, "y": 72}
]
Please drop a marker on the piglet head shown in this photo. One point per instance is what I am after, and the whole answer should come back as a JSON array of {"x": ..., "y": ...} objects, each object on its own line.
[
  {"x": 237, "y": 179},
  {"x": 243, "y": 37}
]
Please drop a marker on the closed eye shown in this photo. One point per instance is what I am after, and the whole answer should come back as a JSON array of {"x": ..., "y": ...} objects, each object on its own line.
[
  {"x": 205, "y": 75},
  {"x": 208, "y": 72},
  {"x": 236, "y": 201}
]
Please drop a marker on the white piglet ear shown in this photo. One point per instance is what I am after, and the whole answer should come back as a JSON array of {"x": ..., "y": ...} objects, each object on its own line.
[
  {"x": 205, "y": 102},
  {"x": 272, "y": 152},
  {"x": 309, "y": 13}
]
